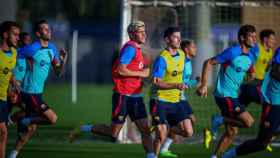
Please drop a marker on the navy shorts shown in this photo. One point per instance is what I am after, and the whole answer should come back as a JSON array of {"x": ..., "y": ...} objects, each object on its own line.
[
  {"x": 270, "y": 119},
  {"x": 250, "y": 93},
  {"x": 169, "y": 113},
  {"x": 230, "y": 107},
  {"x": 34, "y": 103},
  {"x": 4, "y": 111},
  {"x": 126, "y": 105}
]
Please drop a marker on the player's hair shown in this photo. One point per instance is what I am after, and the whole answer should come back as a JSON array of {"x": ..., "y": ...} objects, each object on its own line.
[
  {"x": 266, "y": 33},
  {"x": 170, "y": 30},
  {"x": 244, "y": 30},
  {"x": 38, "y": 24},
  {"x": 21, "y": 38},
  {"x": 186, "y": 43},
  {"x": 7, "y": 26},
  {"x": 22, "y": 35},
  {"x": 134, "y": 26}
]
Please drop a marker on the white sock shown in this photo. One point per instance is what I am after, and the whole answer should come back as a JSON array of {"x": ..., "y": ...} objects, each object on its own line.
[
  {"x": 13, "y": 154},
  {"x": 151, "y": 155},
  {"x": 166, "y": 144},
  {"x": 214, "y": 156}
]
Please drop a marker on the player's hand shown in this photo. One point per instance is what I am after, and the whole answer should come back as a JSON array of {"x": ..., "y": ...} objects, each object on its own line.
[
  {"x": 63, "y": 55},
  {"x": 145, "y": 73},
  {"x": 181, "y": 86},
  {"x": 202, "y": 91}
]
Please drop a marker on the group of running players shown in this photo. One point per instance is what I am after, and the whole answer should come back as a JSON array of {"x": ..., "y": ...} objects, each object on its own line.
[
  {"x": 24, "y": 68},
  {"x": 249, "y": 72}
]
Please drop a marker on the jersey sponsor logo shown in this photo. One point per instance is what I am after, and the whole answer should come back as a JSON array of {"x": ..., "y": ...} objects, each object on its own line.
[
  {"x": 141, "y": 65},
  {"x": 5, "y": 71},
  {"x": 20, "y": 68},
  {"x": 174, "y": 73},
  {"x": 42, "y": 63},
  {"x": 238, "y": 69}
]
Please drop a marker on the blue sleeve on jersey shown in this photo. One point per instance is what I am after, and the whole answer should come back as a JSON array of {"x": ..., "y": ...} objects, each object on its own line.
[
  {"x": 20, "y": 53},
  {"x": 127, "y": 55},
  {"x": 159, "y": 67},
  {"x": 30, "y": 50},
  {"x": 227, "y": 54},
  {"x": 276, "y": 57}
]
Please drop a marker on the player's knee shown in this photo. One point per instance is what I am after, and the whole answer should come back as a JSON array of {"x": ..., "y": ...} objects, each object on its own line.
[
  {"x": 146, "y": 132},
  {"x": 231, "y": 133},
  {"x": 249, "y": 123},
  {"x": 53, "y": 119},
  {"x": 160, "y": 137}
]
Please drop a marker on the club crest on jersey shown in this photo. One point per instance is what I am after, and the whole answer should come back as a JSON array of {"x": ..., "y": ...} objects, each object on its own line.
[
  {"x": 20, "y": 68},
  {"x": 5, "y": 71},
  {"x": 238, "y": 69},
  {"x": 42, "y": 63},
  {"x": 174, "y": 73},
  {"x": 141, "y": 65}
]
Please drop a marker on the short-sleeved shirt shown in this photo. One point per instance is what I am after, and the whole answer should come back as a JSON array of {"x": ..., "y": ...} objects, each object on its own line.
[
  {"x": 234, "y": 66},
  {"x": 41, "y": 59}
]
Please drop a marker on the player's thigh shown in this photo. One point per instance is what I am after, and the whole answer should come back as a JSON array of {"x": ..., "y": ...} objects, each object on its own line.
[{"x": 247, "y": 118}]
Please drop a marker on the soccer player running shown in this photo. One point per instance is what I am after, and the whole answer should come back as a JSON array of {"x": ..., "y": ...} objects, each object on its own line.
[
  {"x": 128, "y": 73},
  {"x": 270, "y": 120},
  {"x": 169, "y": 113},
  {"x": 9, "y": 34},
  {"x": 14, "y": 99},
  {"x": 189, "y": 48},
  {"x": 43, "y": 54},
  {"x": 236, "y": 62},
  {"x": 250, "y": 91}
]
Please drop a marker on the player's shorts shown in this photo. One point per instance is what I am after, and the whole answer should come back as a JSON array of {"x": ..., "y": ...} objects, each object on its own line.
[
  {"x": 169, "y": 113},
  {"x": 188, "y": 108},
  {"x": 127, "y": 105},
  {"x": 270, "y": 119},
  {"x": 4, "y": 111},
  {"x": 250, "y": 93},
  {"x": 34, "y": 103},
  {"x": 230, "y": 107}
]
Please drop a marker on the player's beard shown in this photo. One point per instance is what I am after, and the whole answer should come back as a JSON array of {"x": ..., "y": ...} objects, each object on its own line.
[
  {"x": 247, "y": 45},
  {"x": 45, "y": 37},
  {"x": 10, "y": 43}
]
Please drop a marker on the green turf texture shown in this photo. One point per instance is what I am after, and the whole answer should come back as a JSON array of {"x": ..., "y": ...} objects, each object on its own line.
[{"x": 94, "y": 106}]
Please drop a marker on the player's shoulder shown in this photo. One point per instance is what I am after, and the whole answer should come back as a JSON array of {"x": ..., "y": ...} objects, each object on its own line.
[
  {"x": 235, "y": 49},
  {"x": 31, "y": 48}
]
